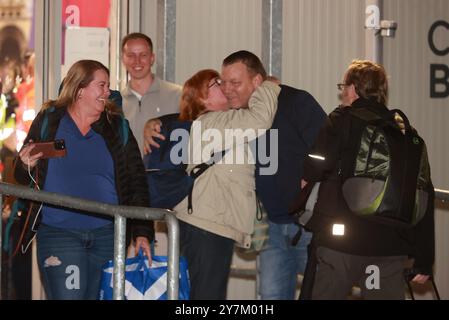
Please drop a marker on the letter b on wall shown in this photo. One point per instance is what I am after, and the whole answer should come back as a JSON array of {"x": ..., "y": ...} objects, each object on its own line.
[{"x": 439, "y": 81}]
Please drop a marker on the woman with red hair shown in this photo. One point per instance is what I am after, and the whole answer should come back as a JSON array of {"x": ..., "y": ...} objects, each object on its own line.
[
  {"x": 201, "y": 94},
  {"x": 223, "y": 205}
]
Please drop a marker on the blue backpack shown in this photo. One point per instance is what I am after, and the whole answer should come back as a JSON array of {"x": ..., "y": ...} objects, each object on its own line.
[{"x": 168, "y": 181}]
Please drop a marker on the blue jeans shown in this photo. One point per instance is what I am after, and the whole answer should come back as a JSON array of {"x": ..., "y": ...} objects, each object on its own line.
[
  {"x": 280, "y": 262},
  {"x": 71, "y": 261}
]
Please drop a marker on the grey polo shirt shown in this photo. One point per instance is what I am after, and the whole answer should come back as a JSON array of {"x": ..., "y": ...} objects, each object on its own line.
[{"x": 161, "y": 98}]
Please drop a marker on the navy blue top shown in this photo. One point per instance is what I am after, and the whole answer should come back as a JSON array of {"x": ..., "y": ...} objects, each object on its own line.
[
  {"x": 87, "y": 171},
  {"x": 298, "y": 120}
]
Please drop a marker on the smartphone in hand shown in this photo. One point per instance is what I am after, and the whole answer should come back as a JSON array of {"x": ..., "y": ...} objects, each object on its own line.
[{"x": 50, "y": 149}]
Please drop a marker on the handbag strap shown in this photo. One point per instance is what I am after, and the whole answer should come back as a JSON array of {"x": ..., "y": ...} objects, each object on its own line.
[{"x": 199, "y": 170}]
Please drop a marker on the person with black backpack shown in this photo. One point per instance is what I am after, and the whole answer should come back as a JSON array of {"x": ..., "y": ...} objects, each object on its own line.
[{"x": 375, "y": 205}]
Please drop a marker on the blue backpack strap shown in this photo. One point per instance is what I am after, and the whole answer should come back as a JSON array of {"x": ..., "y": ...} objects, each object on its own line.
[
  {"x": 116, "y": 97},
  {"x": 124, "y": 130},
  {"x": 44, "y": 127}
]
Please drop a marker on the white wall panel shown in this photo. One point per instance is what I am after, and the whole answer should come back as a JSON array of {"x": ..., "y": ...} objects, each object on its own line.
[
  {"x": 321, "y": 37},
  {"x": 407, "y": 58},
  {"x": 148, "y": 21},
  {"x": 208, "y": 30}
]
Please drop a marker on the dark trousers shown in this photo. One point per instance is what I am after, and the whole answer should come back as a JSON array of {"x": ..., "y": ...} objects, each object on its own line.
[
  {"x": 209, "y": 259},
  {"x": 377, "y": 277}
]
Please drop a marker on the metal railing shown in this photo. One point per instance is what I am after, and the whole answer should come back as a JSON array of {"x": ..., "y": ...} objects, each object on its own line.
[
  {"x": 120, "y": 213},
  {"x": 442, "y": 195}
]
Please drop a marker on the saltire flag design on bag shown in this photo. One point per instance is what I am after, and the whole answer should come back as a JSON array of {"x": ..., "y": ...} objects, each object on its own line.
[{"x": 143, "y": 282}]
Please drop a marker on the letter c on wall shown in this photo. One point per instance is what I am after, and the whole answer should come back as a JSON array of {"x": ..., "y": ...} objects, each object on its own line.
[{"x": 435, "y": 25}]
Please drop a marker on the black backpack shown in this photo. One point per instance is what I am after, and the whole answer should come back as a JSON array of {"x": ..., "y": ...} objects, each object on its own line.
[{"x": 386, "y": 173}]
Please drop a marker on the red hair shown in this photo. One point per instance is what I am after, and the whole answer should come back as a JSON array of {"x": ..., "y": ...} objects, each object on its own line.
[{"x": 194, "y": 91}]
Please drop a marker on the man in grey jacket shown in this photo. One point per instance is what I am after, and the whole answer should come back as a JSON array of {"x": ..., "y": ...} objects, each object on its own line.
[{"x": 146, "y": 96}]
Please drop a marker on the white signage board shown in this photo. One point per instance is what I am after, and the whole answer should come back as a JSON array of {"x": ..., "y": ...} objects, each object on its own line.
[{"x": 85, "y": 43}]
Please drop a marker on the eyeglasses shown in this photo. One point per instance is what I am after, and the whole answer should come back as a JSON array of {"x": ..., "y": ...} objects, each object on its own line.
[
  {"x": 341, "y": 86},
  {"x": 217, "y": 82}
]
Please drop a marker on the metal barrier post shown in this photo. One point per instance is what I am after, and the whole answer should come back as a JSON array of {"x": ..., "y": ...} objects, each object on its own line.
[
  {"x": 118, "y": 292},
  {"x": 258, "y": 277},
  {"x": 173, "y": 257},
  {"x": 1, "y": 243}
]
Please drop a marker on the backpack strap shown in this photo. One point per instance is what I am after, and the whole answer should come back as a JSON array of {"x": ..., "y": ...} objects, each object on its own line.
[
  {"x": 124, "y": 130},
  {"x": 199, "y": 170},
  {"x": 364, "y": 114},
  {"x": 345, "y": 144},
  {"x": 44, "y": 127}
]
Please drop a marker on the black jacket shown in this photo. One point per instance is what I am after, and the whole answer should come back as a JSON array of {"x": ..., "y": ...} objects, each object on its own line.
[
  {"x": 130, "y": 179},
  {"x": 362, "y": 237},
  {"x": 297, "y": 122}
]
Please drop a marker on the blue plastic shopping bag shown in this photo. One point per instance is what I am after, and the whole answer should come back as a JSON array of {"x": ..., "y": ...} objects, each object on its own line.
[{"x": 143, "y": 282}]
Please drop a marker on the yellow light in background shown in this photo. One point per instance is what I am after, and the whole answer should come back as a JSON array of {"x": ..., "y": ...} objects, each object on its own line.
[
  {"x": 338, "y": 230},
  {"x": 20, "y": 137},
  {"x": 5, "y": 133}
]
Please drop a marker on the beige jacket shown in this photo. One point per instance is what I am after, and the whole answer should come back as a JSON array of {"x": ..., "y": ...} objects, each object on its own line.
[{"x": 224, "y": 200}]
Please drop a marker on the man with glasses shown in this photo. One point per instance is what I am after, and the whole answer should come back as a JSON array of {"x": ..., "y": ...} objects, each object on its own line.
[
  {"x": 217, "y": 82},
  {"x": 352, "y": 250}
]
